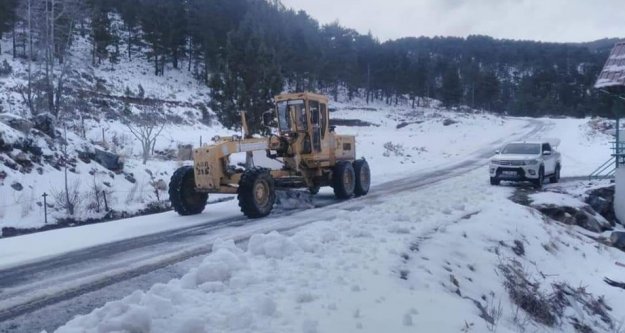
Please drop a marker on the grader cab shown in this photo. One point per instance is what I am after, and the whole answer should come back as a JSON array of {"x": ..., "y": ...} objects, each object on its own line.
[{"x": 311, "y": 155}]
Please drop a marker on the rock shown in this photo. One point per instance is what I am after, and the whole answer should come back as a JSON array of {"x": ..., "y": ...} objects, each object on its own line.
[
  {"x": 3, "y": 175},
  {"x": 23, "y": 160},
  {"x": 4, "y": 146},
  {"x": 17, "y": 186},
  {"x": 617, "y": 239},
  {"x": 85, "y": 157},
  {"x": 404, "y": 124},
  {"x": 602, "y": 201},
  {"x": 45, "y": 122},
  {"x": 11, "y": 165},
  {"x": 584, "y": 217},
  {"x": 20, "y": 124},
  {"x": 130, "y": 177},
  {"x": 449, "y": 121},
  {"x": 108, "y": 160},
  {"x": 28, "y": 146}
]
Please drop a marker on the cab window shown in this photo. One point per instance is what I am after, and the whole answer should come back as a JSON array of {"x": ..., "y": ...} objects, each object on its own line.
[
  {"x": 324, "y": 119},
  {"x": 297, "y": 108}
]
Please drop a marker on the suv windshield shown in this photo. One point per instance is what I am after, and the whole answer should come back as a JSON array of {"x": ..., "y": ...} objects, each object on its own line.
[
  {"x": 284, "y": 120},
  {"x": 522, "y": 149}
]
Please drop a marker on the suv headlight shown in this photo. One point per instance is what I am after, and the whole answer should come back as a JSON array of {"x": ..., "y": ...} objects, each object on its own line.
[
  {"x": 532, "y": 162},
  {"x": 496, "y": 162}
]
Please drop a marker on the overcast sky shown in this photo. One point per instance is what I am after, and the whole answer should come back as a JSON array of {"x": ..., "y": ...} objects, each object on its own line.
[{"x": 545, "y": 20}]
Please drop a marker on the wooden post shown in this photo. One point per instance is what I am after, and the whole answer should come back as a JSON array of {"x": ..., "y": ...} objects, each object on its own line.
[
  {"x": 106, "y": 204},
  {"x": 45, "y": 207},
  {"x": 97, "y": 200}
]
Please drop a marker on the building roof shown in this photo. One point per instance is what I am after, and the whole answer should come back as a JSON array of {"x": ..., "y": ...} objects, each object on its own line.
[{"x": 613, "y": 73}]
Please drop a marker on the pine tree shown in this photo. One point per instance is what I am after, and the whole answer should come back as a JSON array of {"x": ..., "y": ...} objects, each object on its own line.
[
  {"x": 451, "y": 91},
  {"x": 100, "y": 32},
  {"x": 7, "y": 17},
  {"x": 248, "y": 80}
]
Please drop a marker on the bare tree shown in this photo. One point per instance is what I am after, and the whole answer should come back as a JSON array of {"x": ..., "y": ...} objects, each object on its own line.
[
  {"x": 50, "y": 31},
  {"x": 146, "y": 129},
  {"x": 68, "y": 198}
]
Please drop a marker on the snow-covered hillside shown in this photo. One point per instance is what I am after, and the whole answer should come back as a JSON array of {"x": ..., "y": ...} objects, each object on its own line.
[{"x": 105, "y": 97}]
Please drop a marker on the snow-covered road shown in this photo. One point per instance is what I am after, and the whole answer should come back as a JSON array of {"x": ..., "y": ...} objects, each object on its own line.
[{"x": 32, "y": 287}]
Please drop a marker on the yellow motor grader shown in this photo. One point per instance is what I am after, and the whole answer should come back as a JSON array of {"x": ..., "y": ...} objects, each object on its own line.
[{"x": 311, "y": 154}]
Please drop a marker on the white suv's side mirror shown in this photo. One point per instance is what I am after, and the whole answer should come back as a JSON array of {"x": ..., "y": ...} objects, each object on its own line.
[
  {"x": 497, "y": 152},
  {"x": 547, "y": 152}
]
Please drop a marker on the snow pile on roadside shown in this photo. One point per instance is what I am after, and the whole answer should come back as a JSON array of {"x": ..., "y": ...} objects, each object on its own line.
[{"x": 437, "y": 260}]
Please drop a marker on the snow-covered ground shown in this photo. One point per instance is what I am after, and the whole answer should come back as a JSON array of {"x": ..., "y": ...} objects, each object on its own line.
[{"x": 419, "y": 261}]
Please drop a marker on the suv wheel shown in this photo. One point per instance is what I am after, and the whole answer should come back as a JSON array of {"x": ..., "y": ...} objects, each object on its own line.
[
  {"x": 538, "y": 183},
  {"x": 495, "y": 181},
  {"x": 555, "y": 178}
]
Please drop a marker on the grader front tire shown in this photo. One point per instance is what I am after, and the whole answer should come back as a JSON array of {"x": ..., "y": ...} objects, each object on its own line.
[
  {"x": 256, "y": 193},
  {"x": 185, "y": 200}
]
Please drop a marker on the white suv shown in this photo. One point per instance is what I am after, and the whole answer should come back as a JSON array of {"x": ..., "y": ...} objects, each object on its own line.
[{"x": 526, "y": 161}]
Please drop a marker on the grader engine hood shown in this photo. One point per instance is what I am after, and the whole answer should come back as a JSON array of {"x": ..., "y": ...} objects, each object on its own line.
[{"x": 212, "y": 161}]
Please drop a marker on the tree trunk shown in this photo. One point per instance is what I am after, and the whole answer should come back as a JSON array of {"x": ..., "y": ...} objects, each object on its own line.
[
  {"x": 14, "y": 43},
  {"x": 129, "y": 44},
  {"x": 146, "y": 152},
  {"x": 206, "y": 69}
]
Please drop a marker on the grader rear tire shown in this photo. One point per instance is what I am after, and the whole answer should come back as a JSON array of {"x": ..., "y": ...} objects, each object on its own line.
[
  {"x": 256, "y": 193},
  {"x": 343, "y": 180},
  {"x": 185, "y": 200},
  {"x": 363, "y": 177}
]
